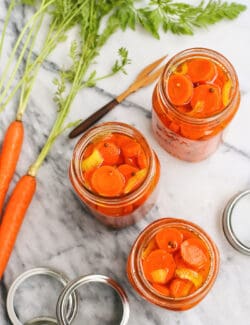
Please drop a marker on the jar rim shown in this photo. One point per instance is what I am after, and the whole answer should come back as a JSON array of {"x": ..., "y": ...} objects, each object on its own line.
[
  {"x": 204, "y": 52},
  {"x": 144, "y": 286},
  {"x": 101, "y": 129}
]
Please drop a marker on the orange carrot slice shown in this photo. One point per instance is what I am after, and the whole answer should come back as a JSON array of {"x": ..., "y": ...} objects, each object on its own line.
[
  {"x": 131, "y": 161},
  {"x": 159, "y": 259},
  {"x": 131, "y": 149},
  {"x": 221, "y": 78},
  {"x": 180, "y": 288},
  {"x": 169, "y": 239},
  {"x": 127, "y": 171},
  {"x": 201, "y": 70},
  {"x": 109, "y": 152},
  {"x": 161, "y": 288},
  {"x": 206, "y": 100},
  {"x": 142, "y": 160},
  {"x": 88, "y": 151},
  {"x": 107, "y": 181},
  {"x": 150, "y": 247},
  {"x": 180, "y": 89},
  {"x": 194, "y": 252}
]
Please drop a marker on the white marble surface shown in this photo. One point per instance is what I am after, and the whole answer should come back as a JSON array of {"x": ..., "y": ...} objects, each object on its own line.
[{"x": 58, "y": 233}]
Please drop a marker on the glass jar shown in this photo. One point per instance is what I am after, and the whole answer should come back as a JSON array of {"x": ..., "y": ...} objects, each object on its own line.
[
  {"x": 146, "y": 290},
  {"x": 124, "y": 210},
  {"x": 187, "y": 137}
]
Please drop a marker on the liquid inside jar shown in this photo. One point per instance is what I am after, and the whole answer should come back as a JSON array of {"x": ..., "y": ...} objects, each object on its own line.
[
  {"x": 199, "y": 87},
  {"x": 175, "y": 262},
  {"x": 194, "y": 101},
  {"x": 114, "y": 165}
]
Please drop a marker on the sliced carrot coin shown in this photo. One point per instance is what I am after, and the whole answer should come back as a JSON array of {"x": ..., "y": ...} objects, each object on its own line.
[
  {"x": 150, "y": 247},
  {"x": 127, "y": 171},
  {"x": 222, "y": 77},
  {"x": 201, "y": 70},
  {"x": 131, "y": 149},
  {"x": 159, "y": 259},
  {"x": 206, "y": 100},
  {"x": 180, "y": 89},
  {"x": 194, "y": 252},
  {"x": 169, "y": 239},
  {"x": 107, "y": 181},
  {"x": 180, "y": 288},
  {"x": 109, "y": 151},
  {"x": 142, "y": 160},
  {"x": 120, "y": 139},
  {"x": 88, "y": 151},
  {"x": 162, "y": 289},
  {"x": 132, "y": 161}
]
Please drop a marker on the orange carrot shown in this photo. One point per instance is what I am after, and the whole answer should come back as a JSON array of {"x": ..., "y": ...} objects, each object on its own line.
[
  {"x": 206, "y": 100},
  {"x": 127, "y": 171},
  {"x": 180, "y": 288},
  {"x": 11, "y": 148},
  {"x": 142, "y": 160},
  {"x": 162, "y": 289},
  {"x": 109, "y": 152},
  {"x": 180, "y": 89},
  {"x": 159, "y": 266},
  {"x": 107, "y": 181},
  {"x": 13, "y": 217},
  {"x": 169, "y": 239},
  {"x": 201, "y": 70},
  {"x": 131, "y": 149},
  {"x": 194, "y": 252}
]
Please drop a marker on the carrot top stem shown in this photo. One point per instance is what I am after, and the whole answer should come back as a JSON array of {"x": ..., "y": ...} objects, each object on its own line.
[{"x": 7, "y": 19}]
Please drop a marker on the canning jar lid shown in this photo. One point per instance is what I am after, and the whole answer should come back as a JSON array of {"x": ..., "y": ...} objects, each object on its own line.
[
  {"x": 236, "y": 222},
  {"x": 96, "y": 278},
  {"x": 60, "y": 277}
]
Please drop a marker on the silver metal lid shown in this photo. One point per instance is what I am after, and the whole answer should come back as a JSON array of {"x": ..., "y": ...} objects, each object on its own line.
[
  {"x": 71, "y": 308},
  {"x": 73, "y": 285},
  {"x": 236, "y": 222}
]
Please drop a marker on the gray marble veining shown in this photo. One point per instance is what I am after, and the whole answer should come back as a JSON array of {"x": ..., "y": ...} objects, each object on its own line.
[{"x": 59, "y": 233}]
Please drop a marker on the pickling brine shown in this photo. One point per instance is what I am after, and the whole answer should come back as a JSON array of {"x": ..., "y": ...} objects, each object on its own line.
[
  {"x": 115, "y": 173},
  {"x": 193, "y": 102}
]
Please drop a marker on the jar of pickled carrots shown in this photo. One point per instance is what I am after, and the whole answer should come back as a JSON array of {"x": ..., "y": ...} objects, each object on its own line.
[
  {"x": 195, "y": 99},
  {"x": 115, "y": 173},
  {"x": 173, "y": 264}
]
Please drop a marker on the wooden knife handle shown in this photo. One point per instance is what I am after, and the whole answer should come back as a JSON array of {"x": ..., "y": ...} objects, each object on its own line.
[{"x": 82, "y": 127}]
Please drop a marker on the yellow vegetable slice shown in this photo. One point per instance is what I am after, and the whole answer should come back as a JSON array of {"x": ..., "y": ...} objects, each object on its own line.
[
  {"x": 93, "y": 161},
  {"x": 135, "y": 180},
  {"x": 160, "y": 276},
  {"x": 190, "y": 275},
  {"x": 226, "y": 90}
]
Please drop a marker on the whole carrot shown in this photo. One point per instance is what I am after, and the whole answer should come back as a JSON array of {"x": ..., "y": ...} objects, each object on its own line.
[
  {"x": 13, "y": 217},
  {"x": 9, "y": 155}
]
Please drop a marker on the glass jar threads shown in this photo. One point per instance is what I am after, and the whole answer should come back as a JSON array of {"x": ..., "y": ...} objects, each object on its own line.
[
  {"x": 194, "y": 101},
  {"x": 115, "y": 173}
]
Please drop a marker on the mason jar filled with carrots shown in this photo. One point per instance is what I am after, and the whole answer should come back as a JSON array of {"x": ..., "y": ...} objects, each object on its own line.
[
  {"x": 173, "y": 264},
  {"x": 115, "y": 173},
  {"x": 194, "y": 101}
]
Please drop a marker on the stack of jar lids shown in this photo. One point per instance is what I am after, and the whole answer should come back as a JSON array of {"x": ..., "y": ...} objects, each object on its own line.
[{"x": 67, "y": 304}]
